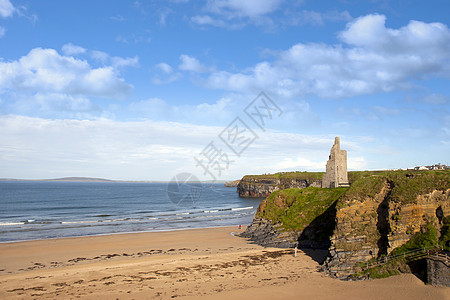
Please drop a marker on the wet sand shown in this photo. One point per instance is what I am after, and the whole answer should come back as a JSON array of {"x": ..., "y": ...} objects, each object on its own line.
[{"x": 188, "y": 264}]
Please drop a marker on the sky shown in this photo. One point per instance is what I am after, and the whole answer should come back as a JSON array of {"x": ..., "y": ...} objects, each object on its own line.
[{"x": 147, "y": 90}]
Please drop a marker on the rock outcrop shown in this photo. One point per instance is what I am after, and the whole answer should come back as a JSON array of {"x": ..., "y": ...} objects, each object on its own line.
[
  {"x": 233, "y": 183},
  {"x": 263, "y": 232},
  {"x": 261, "y": 186},
  {"x": 438, "y": 272},
  {"x": 377, "y": 213},
  {"x": 295, "y": 217},
  {"x": 392, "y": 209}
]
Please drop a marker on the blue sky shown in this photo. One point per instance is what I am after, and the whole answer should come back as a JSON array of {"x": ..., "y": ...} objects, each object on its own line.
[{"x": 144, "y": 90}]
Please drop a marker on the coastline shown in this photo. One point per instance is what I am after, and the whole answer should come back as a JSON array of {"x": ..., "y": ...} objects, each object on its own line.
[
  {"x": 115, "y": 233},
  {"x": 183, "y": 264}
]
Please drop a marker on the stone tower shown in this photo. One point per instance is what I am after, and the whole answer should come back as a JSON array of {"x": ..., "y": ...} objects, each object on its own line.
[{"x": 336, "y": 172}]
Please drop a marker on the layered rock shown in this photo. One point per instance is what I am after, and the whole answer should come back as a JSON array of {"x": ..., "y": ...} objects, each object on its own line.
[
  {"x": 233, "y": 183},
  {"x": 295, "y": 217},
  {"x": 379, "y": 212},
  {"x": 263, "y": 232},
  {"x": 373, "y": 224},
  {"x": 263, "y": 186}
]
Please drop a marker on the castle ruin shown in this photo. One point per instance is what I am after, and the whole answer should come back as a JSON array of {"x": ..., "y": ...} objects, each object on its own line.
[{"x": 336, "y": 171}]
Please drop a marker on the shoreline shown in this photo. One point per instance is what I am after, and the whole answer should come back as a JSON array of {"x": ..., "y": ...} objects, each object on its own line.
[
  {"x": 207, "y": 263},
  {"x": 116, "y": 233}
]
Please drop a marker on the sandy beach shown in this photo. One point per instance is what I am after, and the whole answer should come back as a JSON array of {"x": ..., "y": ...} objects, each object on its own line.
[{"x": 188, "y": 264}]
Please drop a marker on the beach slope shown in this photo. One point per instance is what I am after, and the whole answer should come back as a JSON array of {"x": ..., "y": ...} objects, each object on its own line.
[{"x": 188, "y": 264}]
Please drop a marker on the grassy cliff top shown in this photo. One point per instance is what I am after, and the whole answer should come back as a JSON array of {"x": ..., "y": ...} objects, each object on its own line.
[
  {"x": 405, "y": 185},
  {"x": 297, "y": 208},
  {"x": 288, "y": 175},
  {"x": 294, "y": 208},
  {"x": 352, "y": 175}
]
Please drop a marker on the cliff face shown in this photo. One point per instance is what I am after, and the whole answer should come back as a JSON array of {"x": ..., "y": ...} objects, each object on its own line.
[
  {"x": 233, "y": 183},
  {"x": 382, "y": 213},
  {"x": 261, "y": 186},
  {"x": 304, "y": 217},
  {"x": 379, "y": 212}
]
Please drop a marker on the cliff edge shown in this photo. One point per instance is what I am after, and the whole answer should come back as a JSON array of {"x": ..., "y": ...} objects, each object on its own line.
[
  {"x": 378, "y": 213},
  {"x": 261, "y": 186}
]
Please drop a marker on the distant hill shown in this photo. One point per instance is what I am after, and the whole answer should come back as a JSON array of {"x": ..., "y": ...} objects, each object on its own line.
[
  {"x": 71, "y": 179},
  {"x": 91, "y": 179},
  {"x": 80, "y": 179}
]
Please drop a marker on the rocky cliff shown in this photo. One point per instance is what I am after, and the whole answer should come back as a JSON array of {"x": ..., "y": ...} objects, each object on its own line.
[
  {"x": 379, "y": 212},
  {"x": 261, "y": 186},
  {"x": 233, "y": 183},
  {"x": 291, "y": 217}
]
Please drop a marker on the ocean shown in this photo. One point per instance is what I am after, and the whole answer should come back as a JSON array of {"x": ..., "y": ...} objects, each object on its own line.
[{"x": 31, "y": 210}]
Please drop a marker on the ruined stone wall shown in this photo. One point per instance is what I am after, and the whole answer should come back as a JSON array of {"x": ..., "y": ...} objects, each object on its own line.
[
  {"x": 336, "y": 168},
  {"x": 438, "y": 272}
]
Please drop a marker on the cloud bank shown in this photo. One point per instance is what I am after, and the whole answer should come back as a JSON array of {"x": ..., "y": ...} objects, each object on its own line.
[{"x": 372, "y": 58}]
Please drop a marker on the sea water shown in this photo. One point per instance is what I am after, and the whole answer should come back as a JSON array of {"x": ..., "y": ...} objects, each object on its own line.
[{"x": 32, "y": 210}]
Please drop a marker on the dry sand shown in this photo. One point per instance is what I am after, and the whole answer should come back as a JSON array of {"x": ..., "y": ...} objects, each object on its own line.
[{"x": 189, "y": 264}]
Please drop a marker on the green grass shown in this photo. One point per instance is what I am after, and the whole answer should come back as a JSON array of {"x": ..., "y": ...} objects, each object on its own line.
[
  {"x": 427, "y": 238},
  {"x": 386, "y": 270},
  {"x": 406, "y": 185},
  {"x": 409, "y": 184},
  {"x": 297, "y": 208},
  {"x": 366, "y": 187},
  {"x": 288, "y": 175},
  {"x": 444, "y": 240}
]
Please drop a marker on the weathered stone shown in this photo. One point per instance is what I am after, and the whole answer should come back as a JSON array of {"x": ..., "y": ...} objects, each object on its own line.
[
  {"x": 336, "y": 169},
  {"x": 438, "y": 272},
  {"x": 403, "y": 221},
  {"x": 254, "y": 187},
  {"x": 262, "y": 232}
]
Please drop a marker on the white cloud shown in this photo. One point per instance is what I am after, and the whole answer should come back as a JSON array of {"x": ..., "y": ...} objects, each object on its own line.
[
  {"x": 71, "y": 49},
  {"x": 314, "y": 17},
  {"x": 243, "y": 8},
  {"x": 114, "y": 61},
  {"x": 101, "y": 56},
  {"x": 133, "y": 38},
  {"x": 223, "y": 110},
  {"x": 189, "y": 63},
  {"x": 6, "y": 8},
  {"x": 436, "y": 99},
  {"x": 171, "y": 78},
  {"x": 2, "y": 31},
  {"x": 207, "y": 20},
  {"x": 118, "y": 18},
  {"x": 53, "y": 104},
  {"x": 416, "y": 39},
  {"x": 165, "y": 68},
  {"x": 168, "y": 75},
  {"x": 299, "y": 163},
  {"x": 235, "y": 14},
  {"x": 142, "y": 150},
  {"x": 375, "y": 59},
  {"x": 378, "y": 113},
  {"x": 46, "y": 71}
]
